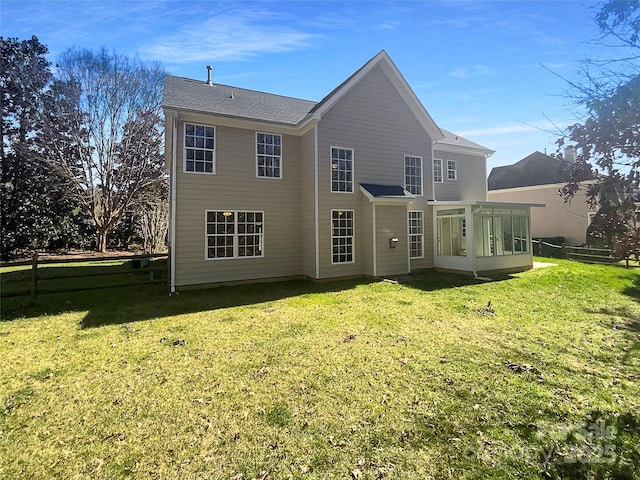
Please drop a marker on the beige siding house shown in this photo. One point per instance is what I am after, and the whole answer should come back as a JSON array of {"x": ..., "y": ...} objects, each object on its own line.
[
  {"x": 363, "y": 182},
  {"x": 538, "y": 179}
]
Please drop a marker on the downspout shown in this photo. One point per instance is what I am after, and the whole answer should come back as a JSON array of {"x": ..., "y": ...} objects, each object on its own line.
[
  {"x": 174, "y": 179},
  {"x": 316, "y": 194},
  {"x": 472, "y": 234},
  {"x": 433, "y": 180},
  {"x": 375, "y": 256},
  {"x": 406, "y": 215}
]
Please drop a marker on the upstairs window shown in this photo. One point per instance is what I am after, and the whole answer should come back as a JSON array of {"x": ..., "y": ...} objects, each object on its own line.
[
  {"x": 437, "y": 170},
  {"x": 199, "y": 145},
  {"x": 413, "y": 174},
  {"x": 452, "y": 170},
  {"x": 341, "y": 169},
  {"x": 269, "y": 155}
]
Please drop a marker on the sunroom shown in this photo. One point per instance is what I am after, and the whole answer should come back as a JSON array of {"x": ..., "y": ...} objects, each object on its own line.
[{"x": 481, "y": 238}]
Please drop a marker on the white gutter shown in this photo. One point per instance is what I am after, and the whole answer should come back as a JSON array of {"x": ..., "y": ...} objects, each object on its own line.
[
  {"x": 172, "y": 221},
  {"x": 316, "y": 194}
]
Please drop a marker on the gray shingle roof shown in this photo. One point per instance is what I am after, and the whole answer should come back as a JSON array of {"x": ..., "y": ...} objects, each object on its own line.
[
  {"x": 451, "y": 138},
  {"x": 198, "y": 96},
  {"x": 534, "y": 169}
]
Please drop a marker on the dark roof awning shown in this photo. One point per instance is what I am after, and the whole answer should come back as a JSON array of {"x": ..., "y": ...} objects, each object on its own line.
[{"x": 386, "y": 193}]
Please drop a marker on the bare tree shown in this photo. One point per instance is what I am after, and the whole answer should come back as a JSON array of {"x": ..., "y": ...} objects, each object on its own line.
[
  {"x": 607, "y": 140},
  {"x": 110, "y": 149},
  {"x": 152, "y": 219}
]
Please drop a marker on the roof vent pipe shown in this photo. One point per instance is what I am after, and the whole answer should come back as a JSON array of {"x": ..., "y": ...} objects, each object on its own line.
[{"x": 209, "y": 68}]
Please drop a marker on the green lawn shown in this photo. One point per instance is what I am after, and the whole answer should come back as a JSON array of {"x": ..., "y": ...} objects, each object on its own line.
[{"x": 352, "y": 379}]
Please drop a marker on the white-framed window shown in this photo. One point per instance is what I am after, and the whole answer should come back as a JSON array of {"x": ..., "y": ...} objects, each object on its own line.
[
  {"x": 342, "y": 236},
  {"x": 234, "y": 234},
  {"x": 416, "y": 234},
  {"x": 501, "y": 231},
  {"x": 341, "y": 169},
  {"x": 437, "y": 170},
  {"x": 452, "y": 170},
  {"x": 413, "y": 174},
  {"x": 199, "y": 148},
  {"x": 451, "y": 232},
  {"x": 269, "y": 155}
]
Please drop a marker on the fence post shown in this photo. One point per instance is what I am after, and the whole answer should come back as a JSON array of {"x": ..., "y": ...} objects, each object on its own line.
[
  {"x": 34, "y": 276},
  {"x": 563, "y": 251}
]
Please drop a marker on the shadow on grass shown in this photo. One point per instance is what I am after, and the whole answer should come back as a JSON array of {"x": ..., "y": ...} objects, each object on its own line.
[
  {"x": 119, "y": 305},
  {"x": 633, "y": 290}
]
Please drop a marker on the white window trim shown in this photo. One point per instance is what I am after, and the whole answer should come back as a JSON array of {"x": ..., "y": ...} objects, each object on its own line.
[
  {"x": 184, "y": 149},
  {"x": 433, "y": 170},
  {"x": 353, "y": 236},
  {"x": 421, "y": 174},
  {"x": 235, "y": 235},
  {"x": 414, "y": 234},
  {"x": 353, "y": 169},
  {"x": 454, "y": 170},
  {"x": 256, "y": 144}
]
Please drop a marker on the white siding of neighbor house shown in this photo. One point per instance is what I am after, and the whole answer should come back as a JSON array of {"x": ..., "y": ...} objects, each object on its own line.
[
  {"x": 235, "y": 187},
  {"x": 471, "y": 181},
  {"x": 373, "y": 120}
]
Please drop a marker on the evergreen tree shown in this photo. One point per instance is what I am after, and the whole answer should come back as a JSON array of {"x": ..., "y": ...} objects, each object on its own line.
[{"x": 34, "y": 208}]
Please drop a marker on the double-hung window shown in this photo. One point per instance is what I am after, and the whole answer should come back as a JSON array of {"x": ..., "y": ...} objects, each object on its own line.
[
  {"x": 199, "y": 148},
  {"x": 235, "y": 234},
  {"x": 452, "y": 170},
  {"x": 437, "y": 170},
  {"x": 342, "y": 235},
  {"x": 269, "y": 155},
  {"x": 416, "y": 234},
  {"x": 341, "y": 169},
  {"x": 413, "y": 174}
]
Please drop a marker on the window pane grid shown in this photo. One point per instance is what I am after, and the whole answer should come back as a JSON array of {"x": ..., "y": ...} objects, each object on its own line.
[
  {"x": 234, "y": 234},
  {"x": 416, "y": 235},
  {"x": 452, "y": 170},
  {"x": 413, "y": 174},
  {"x": 500, "y": 232},
  {"x": 437, "y": 170},
  {"x": 199, "y": 141},
  {"x": 269, "y": 154},
  {"x": 341, "y": 170},
  {"x": 342, "y": 234}
]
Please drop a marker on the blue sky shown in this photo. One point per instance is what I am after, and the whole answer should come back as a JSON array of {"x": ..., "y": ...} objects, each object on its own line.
[{"x": 476, "y": 66}]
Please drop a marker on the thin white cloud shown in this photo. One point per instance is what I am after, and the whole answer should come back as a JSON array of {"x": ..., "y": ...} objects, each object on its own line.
[
  {"x": 472, "y": 71},
  {"x": 230, "y": 36},
  {"x": 546, "y": 127}
]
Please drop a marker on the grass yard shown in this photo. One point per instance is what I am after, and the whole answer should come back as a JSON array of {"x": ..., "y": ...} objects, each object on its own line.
[{"x": 352, "y": 379}]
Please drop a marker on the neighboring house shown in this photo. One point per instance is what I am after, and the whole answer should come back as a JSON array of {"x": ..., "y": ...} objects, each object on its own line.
[
  {"x": 538, "y": 178},
  {"x": 361, "y": 183}
]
